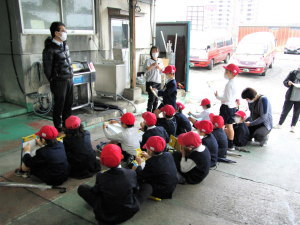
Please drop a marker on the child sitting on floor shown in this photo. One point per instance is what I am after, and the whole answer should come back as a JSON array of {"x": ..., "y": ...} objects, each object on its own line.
[
  {"x": 220, "y": 135},
  {"x": 160, "y": 170},
  {"x": 205, "y": 128},
  {"x": 193, "y": 162},
  {"x": 115, "y": 197},
  {"x": 204, "y": 115},
  {"x": 168, "y": 121},
  {"x": 183, "y": 124},
  {"x": 78, "y": 147},
  {"x": 50, "y": 162},
  {"x": 149, "y": 128},
  {"x": 241, "y": 131}
]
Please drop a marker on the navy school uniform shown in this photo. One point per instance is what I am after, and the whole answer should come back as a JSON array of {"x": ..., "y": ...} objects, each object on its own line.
[
  {"x": 160, "y": 172},
  {"x": 169, "y": 124},
  {"x": 211, "y": 143},
  {"x": 49, "y": 164},
  {"x": 155, "y": 131},
  {"x": 201, "y": 159},
  {"x": 81, "y": 156},
  {"x": 241, "y": 134},
  {"x": 114, "y": 196},
  {"x": 169, "y": 94},
  {"x": 222, "y": 141},
  {"x": 183, "y": 123}
]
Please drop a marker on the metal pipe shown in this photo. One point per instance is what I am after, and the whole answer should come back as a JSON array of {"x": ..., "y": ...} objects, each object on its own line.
[{"x": 162, "y": 36}]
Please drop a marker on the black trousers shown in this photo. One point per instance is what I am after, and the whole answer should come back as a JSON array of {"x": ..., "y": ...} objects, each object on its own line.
[
  {"x": 152, "y": 100},
  {"x": 85, "y": 192},
  {"x": 287, "y": 106},
  {"x": 62, "y": 91},
  {"x": 259, "y": 133}
]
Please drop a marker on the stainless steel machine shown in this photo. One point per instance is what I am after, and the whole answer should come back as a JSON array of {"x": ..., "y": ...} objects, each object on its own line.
[{"x": 84, "y": 75}]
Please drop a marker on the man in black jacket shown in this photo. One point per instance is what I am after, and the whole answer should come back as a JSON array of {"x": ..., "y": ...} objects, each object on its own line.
[
  {"x": 292, "y": 98},
  {"x": 59, "y": 72}
]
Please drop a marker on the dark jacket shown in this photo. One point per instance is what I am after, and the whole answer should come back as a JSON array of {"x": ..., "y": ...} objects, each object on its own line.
[
  {"x": 169, "y": 124},
  {"x": 169, "y": 93},
  {"x": 156, "y": 131},
  {"x": 211, "y": 143},
  {"x": 291, "y": 77},
  {"x": 241, "y": 134},
  {"x": 57, "y": 61},
  {"x": 201, "y": 170},
  {"x": 160, "y": 171},
  {"x": 222, "y": 140},
  {"x": 115, "y": 192},
  {"x": 81, "y": 156},
  {"x": 183, "y": 123},
  {"x": 49, "y": 164}
]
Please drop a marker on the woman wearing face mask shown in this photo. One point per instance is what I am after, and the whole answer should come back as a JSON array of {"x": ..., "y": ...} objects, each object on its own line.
[
  {"x": 59, "y": 72},
  {"x": 292, "y": 99},
  {"x": 261, "y": 120},
  {"x": 153, "y": 68}
]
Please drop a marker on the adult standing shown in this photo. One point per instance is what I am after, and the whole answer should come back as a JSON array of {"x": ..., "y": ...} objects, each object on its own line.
[
  {"x": 59, "y": 72},
  {"x": 153, "y": 68},
  {"x": 292, "y": 99},
  {"x": 261, "y": 120}
]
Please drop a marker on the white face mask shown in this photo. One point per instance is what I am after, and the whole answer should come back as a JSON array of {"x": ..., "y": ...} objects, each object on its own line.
[
  {"x": 237, "y": 119},
  {"x": 250, "y": 101},
  {"x": 154, "y": 55},
  {"x": 202, "y": 136},
  {"x": 63, "y": 36},
  {"x": 226, "y": 77}
]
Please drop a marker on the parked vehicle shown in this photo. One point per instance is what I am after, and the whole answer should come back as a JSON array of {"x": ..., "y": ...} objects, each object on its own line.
[
  {"x": 210, "y": 47},
  {"x": 255, "y": 53},
  {"x": 292, "y": 46}
]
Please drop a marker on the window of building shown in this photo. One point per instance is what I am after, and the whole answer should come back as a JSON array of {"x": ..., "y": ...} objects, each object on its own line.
[
  {"x": 195, "y": 14},
  {"x": 77, "y": 15},
  {"x": 119, "y": 33}
]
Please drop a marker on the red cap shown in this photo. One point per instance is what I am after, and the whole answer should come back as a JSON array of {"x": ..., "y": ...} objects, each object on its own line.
[
  {"x": 216, "y": 120},
  {"x": 155, "y": 144},
  {"x": 205, "y": 101},
  {"x": 128, "y": 119},
  {"x": 241, "y": 114},
  {"x": 232, "y": 68},
  {"x": 189, "y": 139},
  {"x": 204, "y": 126},
  {"x": 170, "y": 69},
  {"x": 72, "y": 122},
  {"x": 47, "y": 132},
  {"x": 149, "y": 118},
  {"x": 180, "y": 105},
  {"x": 168, "y": 110},
  {"x": 111, "y": 155}
]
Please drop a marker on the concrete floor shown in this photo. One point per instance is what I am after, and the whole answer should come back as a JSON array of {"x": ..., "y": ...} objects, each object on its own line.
[{"x": 261, "y": 188}]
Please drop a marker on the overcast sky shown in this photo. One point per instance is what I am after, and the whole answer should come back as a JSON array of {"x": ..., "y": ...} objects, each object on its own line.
[{"x": 281, "y": 12}]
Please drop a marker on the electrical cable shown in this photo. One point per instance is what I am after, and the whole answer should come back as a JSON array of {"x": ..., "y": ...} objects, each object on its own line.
[{"x": 11, "y": 48}]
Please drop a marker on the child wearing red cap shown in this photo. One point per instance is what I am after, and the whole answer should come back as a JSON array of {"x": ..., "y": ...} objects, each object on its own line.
[
  {"x": 193, "y": 161},
  {"x": 149, "y": 128},
  {"x": 115, "y": 197},
  {"x": 169, "y": 92},
  {"x": 128, "y": 137},
  {"x": 205, "y": 128},
  {"x": 219, "y": 134},
  {"x": 183, "y": 123},
  {"x": 204, "y": 115},
  {"x": 79, "y": 150},
  {"x": 160, "y": 170},
  {"x": 241, "y": 131},
  {"x": 228, "y": 100},
  {"x": 50, "y": 162},
  {"x": 168, "y": 121}
]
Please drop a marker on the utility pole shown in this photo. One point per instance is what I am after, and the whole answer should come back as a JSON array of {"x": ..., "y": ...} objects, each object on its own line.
[{"x": 132, "y": 4}]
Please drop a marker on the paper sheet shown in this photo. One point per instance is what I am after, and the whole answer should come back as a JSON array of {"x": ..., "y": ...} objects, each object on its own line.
[{"x": 296, "y": 85}]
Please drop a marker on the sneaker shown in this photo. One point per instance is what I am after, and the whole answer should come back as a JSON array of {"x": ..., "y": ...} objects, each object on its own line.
[
  {"x": 278, "y": 126},
  {"x": 292, "y": 129},
  {"x": 263, "y": 143},
  {"x": 231, "y": 149},
  {"x": 21, "y": 173}
]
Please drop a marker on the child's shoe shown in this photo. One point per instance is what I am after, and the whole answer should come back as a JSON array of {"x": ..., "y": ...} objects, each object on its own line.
[
  {"x": 21, "y": 173},
  {"x": 292, "y": 129}
]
